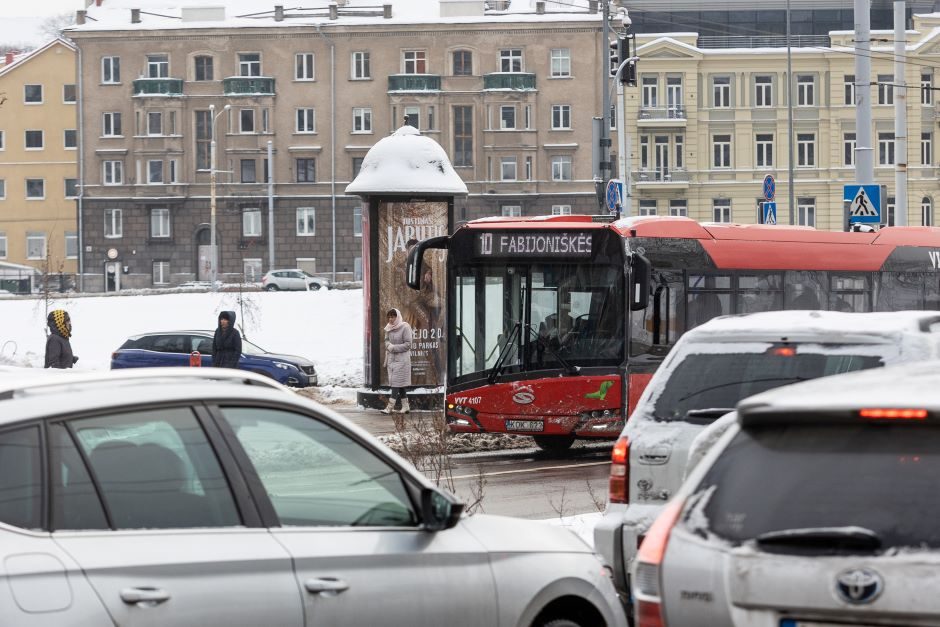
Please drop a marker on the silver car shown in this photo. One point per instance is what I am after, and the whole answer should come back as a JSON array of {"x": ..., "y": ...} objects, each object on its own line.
[
  {"x": 217, "y": 497},
  {"x": 817, "y": 507},
  {"x": 293, "y": 279}
]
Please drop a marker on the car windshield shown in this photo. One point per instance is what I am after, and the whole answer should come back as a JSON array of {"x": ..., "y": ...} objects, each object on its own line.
[
  {"x": 251, "y": 349},
  {"x": 875, "y": 477},
  {"x": 707, "y": 379}
]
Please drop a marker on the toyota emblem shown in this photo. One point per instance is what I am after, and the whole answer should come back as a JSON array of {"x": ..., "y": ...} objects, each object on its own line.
[
  {"x": 524, "y": 395},
  {"x": 859, "y": 586}
]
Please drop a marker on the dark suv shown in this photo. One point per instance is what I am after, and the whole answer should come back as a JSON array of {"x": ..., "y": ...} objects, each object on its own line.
[{"x": 173, "y": 348}]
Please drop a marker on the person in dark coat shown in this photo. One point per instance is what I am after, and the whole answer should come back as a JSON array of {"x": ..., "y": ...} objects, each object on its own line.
[
  {"x": 227, "y": 343},
  {"x": 58, "y": 348}
]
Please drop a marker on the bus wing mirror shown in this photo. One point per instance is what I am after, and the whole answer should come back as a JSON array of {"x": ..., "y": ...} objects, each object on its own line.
[
  {"x": 639, "y": 282},
  {"x": 416, "y": 259}
]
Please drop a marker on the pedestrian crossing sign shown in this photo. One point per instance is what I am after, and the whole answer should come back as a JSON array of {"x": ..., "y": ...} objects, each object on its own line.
[
  {"x": 864, "y": 203},
  {"x": 770, "y": 212}
]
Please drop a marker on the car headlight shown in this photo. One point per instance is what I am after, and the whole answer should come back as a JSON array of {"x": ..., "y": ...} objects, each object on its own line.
[{"x": 284, "y": 366}]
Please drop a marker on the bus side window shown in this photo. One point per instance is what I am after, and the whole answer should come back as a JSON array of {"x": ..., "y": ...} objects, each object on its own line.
[
  {"x": 805, "y": 290},
  {"x": 759, "y": 292},
  {"x": 709, "y": 296},
  {"x": 899, "y": 291},
  {"x": 931, "y": 292},
  {"x": 850, "y": 292}
]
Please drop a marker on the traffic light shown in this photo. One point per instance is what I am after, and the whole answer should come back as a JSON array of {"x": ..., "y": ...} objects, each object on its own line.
[
  {"x": 627, "y": 47},
  {"x": 614, "y": 57}
]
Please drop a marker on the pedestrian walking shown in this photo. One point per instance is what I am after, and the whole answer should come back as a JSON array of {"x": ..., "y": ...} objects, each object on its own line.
[
  {"x": 227, "y": 342},
  {"x": 58, "y": 347},
  {"x": 398, "y": 338}
]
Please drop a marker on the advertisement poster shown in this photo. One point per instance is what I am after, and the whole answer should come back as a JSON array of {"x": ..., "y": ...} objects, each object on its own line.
[{"x": 401, "y": 226}]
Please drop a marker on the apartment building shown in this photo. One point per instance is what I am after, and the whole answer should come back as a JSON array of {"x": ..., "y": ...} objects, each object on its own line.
[
  {"x": 38, "y": 168},
  {"x": 509, "y": 91},
  {"x": 708, "y": 124}
]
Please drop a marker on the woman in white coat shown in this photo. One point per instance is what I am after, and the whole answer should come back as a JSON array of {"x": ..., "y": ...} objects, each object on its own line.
[{"x": 397, "y": 361}]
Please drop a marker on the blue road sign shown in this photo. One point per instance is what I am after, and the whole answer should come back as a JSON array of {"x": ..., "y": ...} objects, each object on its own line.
[
  {"x": 770, "y": 187},
  {"x": 769, "y": 212},
  {"x": 865, "y": 203},
  {"x": 614, "y": 194}
]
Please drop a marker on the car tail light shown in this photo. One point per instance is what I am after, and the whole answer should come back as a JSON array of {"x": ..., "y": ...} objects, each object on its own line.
[
  {"x": 114, "y": 355},
  {"x": 783, "y": 351},
  {"x": 893, "y": 414},
  {"x": 647, "y": 581},
  {"x": 619, "y": 488}
]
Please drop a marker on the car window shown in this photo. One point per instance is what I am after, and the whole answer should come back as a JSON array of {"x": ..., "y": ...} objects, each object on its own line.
[
  {"x": 156, "y": 469},
  {"x": 249, "y": 349},
  {"x": 201, "y": 344},
  {"x": 881, "y": 477},
  {"x": 20, "y": 478},
  {"x": 169, "y": 344},
  {"x": 75, "y": 503},
  {"x": 316, "y": 475}
]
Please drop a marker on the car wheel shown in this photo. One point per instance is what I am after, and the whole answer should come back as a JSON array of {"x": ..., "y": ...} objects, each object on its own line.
[
  {"x": 554, "y": 443},
  {"x": 559, "y": 622},
  {"x": 314, "y": 287},
  {"x": 270, "y": 287}
]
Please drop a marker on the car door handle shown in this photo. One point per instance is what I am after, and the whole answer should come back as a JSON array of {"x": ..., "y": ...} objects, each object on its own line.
[
  {"x": 147, "y": 597},
  {"x": 329, "y": 586}
]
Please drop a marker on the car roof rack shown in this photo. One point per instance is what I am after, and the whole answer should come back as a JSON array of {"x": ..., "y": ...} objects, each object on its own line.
[{"x": 17, "y": 385}]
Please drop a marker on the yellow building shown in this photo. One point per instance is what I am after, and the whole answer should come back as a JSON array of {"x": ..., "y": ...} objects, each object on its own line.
[{"x": 38, "y": 163}]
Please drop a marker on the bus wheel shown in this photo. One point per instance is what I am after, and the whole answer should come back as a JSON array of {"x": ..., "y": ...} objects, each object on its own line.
[{"x": 554, "y": 443}]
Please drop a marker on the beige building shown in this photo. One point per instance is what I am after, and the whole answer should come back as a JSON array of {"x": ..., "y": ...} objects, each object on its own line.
[
  {"x": 38, "y": 165},
  {"x": 708, "y": 124}
]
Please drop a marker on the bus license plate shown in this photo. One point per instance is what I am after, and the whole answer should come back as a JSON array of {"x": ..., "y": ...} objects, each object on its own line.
[{"x": 525, "y": 425}]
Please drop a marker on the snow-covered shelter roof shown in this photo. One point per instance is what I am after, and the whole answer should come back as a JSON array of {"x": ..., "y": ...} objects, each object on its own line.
[{"x": 406, "y": 162}]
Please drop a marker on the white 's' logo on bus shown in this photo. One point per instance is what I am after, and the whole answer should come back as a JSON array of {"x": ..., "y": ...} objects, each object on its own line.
[{"x": 524, "y": 395}]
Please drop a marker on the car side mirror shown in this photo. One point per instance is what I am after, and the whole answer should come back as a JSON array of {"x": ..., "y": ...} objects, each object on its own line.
[{"x": 439, "y": 511}]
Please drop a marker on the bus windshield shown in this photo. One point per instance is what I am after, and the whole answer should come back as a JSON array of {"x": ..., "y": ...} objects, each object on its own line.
[{"x": 567, "y": 314}]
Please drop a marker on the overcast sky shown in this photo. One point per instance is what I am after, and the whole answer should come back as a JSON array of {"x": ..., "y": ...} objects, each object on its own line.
[{"x": 38, "y": 8}]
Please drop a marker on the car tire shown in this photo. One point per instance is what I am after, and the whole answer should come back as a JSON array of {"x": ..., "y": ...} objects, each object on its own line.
[
  {"x": 559, "y": 622},
  {"x": 554, "y": 443},
  {"x": 271, "y": 288},
  {"x": 313, "y": 287}
]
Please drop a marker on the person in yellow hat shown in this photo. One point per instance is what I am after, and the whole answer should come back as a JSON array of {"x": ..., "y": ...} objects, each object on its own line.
[{"x": 58, "y": 347}]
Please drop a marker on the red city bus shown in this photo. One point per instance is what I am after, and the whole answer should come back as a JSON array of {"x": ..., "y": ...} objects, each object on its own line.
[{"x": 555, "y": 324}]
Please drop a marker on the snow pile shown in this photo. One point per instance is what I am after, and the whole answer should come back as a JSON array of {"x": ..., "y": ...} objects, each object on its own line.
[
  {"x": 331, "y": 395},
  {"x": 458, "y": 443}
]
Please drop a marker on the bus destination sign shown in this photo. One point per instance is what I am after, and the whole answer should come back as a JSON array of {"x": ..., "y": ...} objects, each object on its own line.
[{"x": 553, "y": 244}]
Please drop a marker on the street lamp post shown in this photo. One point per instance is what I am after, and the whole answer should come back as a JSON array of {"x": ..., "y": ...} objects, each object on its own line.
[{"x": 213, "y": 257}]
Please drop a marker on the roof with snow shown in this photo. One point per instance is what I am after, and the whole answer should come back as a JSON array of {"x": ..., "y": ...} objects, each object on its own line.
[{"x": 407, "y": 162}]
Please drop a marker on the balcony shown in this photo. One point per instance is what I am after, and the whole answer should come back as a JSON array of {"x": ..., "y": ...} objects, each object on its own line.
[
  {"x": 518, "y": 81},
  {"x": 661, "y": 179},
  {"x": 248, "y": 86},
  {"x": 414, "y": 82},
  {"x": 674, "y": 115},
  {"x": 158, "y": 87}
]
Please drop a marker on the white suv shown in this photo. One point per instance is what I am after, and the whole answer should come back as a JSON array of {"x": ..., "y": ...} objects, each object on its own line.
[
  {"x": 713, "y": 367},
  {"x": 292, "y": 279}
]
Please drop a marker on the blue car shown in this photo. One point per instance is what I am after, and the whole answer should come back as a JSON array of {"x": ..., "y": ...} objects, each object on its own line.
[{"x": 173, "y": 348}]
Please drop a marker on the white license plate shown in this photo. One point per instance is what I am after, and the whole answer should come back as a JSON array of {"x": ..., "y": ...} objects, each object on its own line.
[{"x": 525, "y": 425}]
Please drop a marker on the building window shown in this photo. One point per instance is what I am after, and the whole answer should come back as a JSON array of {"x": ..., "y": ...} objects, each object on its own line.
[
  {"x": 848, "y": 88},
  {"x": 3, "y": 246},
  {"x": 35, "y": 189},
  {"x": 360, "y": 65},
  {"x": 805, "y": 90},
  {"x": 2, "y": 143},
  {"x": 507, "y": 117},
  {"x": 307, "y": 221},
  {"x": 71, "y": 245},
  {"x": 647, "y": 207},
  {"x": 356, "y": 166},
  {"x": 32, "y": 94},
  {"x": 674, "y": 97},
  {"x": 511, "y": 211},
  {"x": 507, "y": 169},
  {"x": 155, "y": 171},
  {"x": 413, "y": 116},
  {"x": 111, "y": 124},
  {"x": 561, "y": 168},
  {"x": 306, "y": 170},
  {"x": 304, "y": 66},
  {"x": 463, "y": 63},
  {"x": 174, "y": 170},
  {"x": 561, "y": 117},
  {"x": 721, "y": 151},
  {"x": 249, "y": 172},
  {"x": 885, "y": 148},
  {"x": 68, "y": 93},
  {"x": 650, "y": 92},
  {"x": 71, "y": 188},
  {"x": 414, "y": 62},
  {"x": 357, "y": 221},
  {"x": 765, "y": 150},
  {"x": 161, "y": 272},
  {"x": 159, "y": 222},
  {"x": 806, "y": 150},
  {"x": 203, "y": 139},
  {"x": 246, "y": 120},
  {"x": 35, "y": 245},
  {"x": 430, "y": 117},
  {"x": 510, "y": 60},
  {"x": 763, "y": 91},
  {"x": 111, "y": 70},
  {"x": 885, "y": 89},
  {"x": 561, "y": 210},
  {"x": 926, "y": 211},
  {"x": 721, "y": 208},
  {"x": 463, "y": 136},
  {"x": 158, "y": 66},
  {"x": 306, "y": 120},
  {"x": 113, "y": 172},
  {"x": 249, "y": 64},
  {"x": 806, "y": 211},
  {"x": 113, "y": 223},
  {"x": 848, "y": 149},
  {"x": 926, "y": 88},
  {"x": 678, "y": 207},
  {"x": 70, "y": 139},
  {"x": 204, "y": 68},
  {"x": 721, "y": 91},
  {"x": 3, "y": 189},
  {"x": 155, "y": 123},
  {"x": 34, "y": 140},
  {"x": 362, "y": 120},
  {"x": 251, "y": 223},
  {"x": 561, "y": 62},
  {"x": 926, "y": 148},
  {"x": 889, "y": 212},
  {"x": 528, "y": 168}
]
